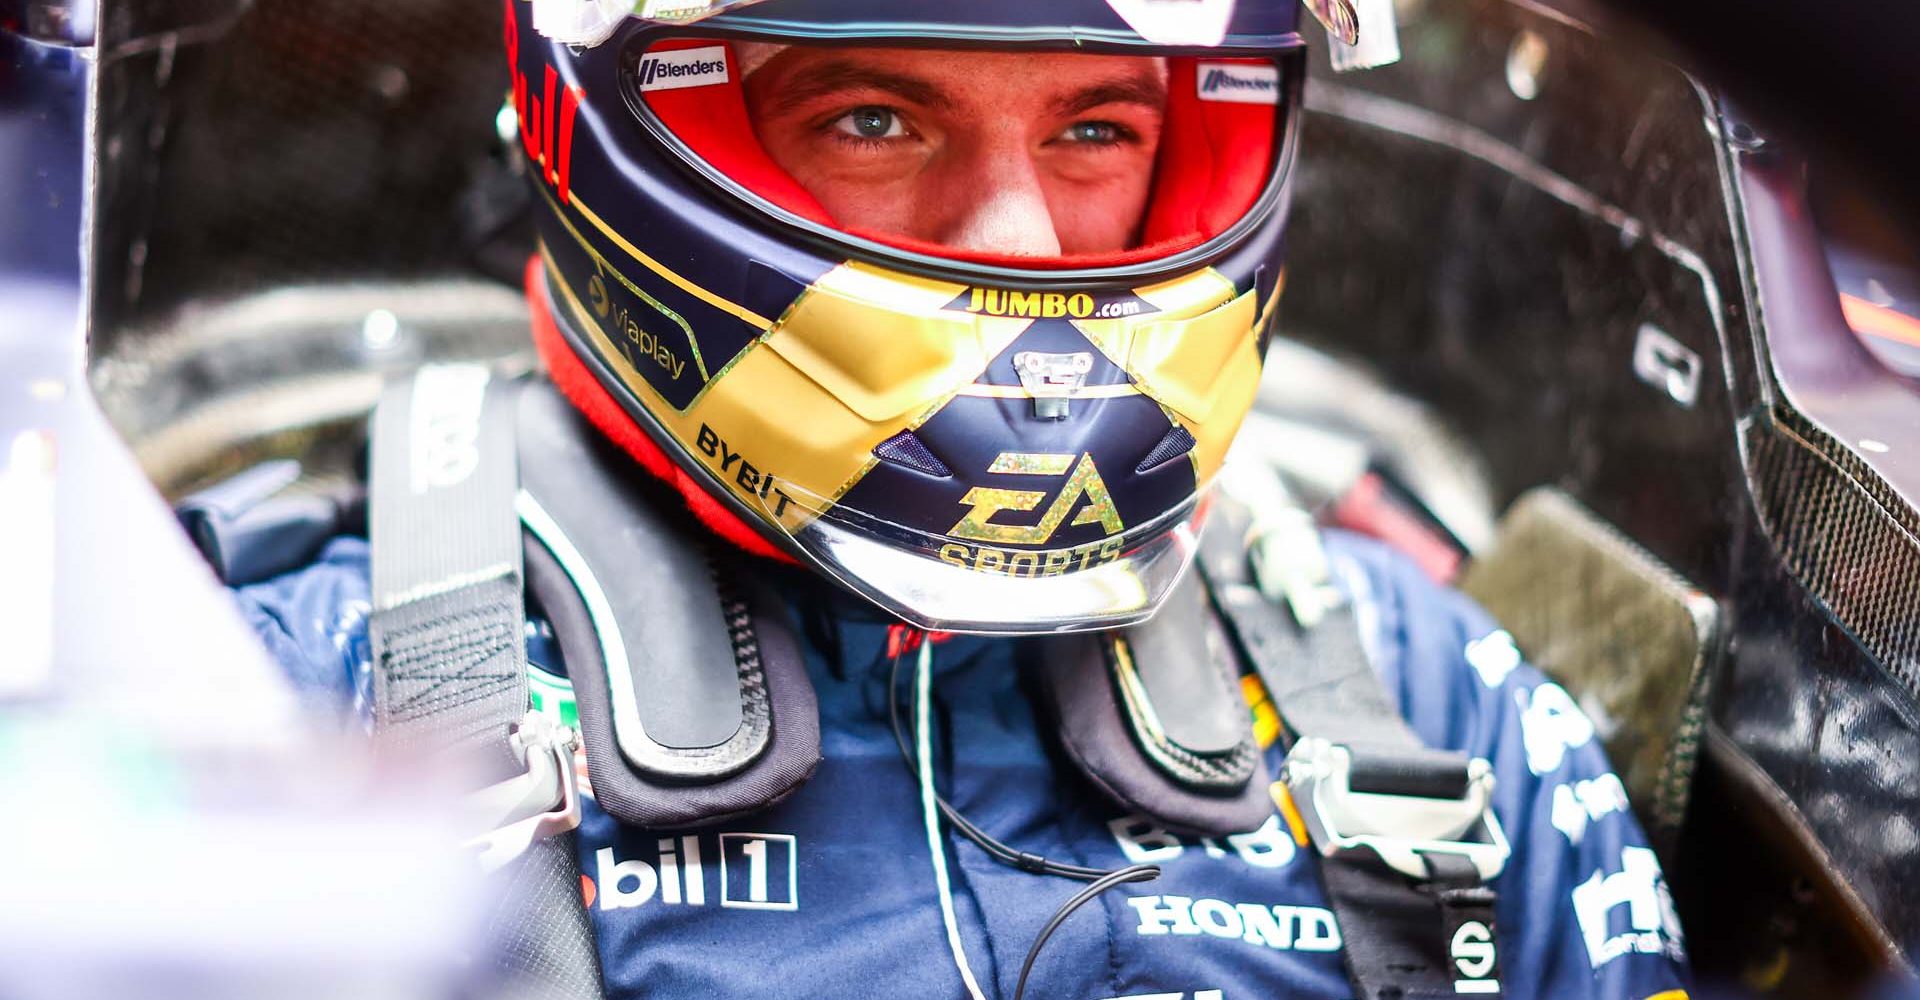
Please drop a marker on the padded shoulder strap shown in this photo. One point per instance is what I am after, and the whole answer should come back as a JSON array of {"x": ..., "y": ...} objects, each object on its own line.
[
  {"x": 1153, "y": 716},
  {"x": 448, "y": 637},
  {"x": 694, "y": 703},
  {"x": 447, "y": 625}
]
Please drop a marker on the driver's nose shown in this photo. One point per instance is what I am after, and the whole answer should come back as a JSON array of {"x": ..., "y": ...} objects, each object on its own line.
[{"x": 1000, "y": 205}]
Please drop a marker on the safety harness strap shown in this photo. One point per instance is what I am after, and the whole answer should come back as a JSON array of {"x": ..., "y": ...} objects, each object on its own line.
[
  {"x": 448, "y": 631},
  {"x": 1407, "y": 841},
  {"x": 447, "y": 625},
  {"x": 1410, "y": 940}
]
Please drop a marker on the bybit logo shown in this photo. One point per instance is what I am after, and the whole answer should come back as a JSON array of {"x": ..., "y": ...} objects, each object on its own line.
[{"x": 1083, "y": 482}]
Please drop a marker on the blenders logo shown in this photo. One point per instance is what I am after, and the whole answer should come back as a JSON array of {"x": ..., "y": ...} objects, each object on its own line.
[
  {"x": 1237, "y": 83},
  {"x": 679, "y": 68}
]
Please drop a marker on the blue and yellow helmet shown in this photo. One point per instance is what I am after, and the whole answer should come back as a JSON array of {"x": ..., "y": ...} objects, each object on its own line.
[{"x": 976, "y": 438}]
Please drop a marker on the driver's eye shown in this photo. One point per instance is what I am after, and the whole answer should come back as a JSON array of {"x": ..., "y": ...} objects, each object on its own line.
[
  {"x": 870, "y": 123},
  {"x": 1095, "y": 133}
]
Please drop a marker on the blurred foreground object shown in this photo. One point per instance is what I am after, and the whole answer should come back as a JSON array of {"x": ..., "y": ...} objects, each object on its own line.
[{"x": 174, "y": 826}]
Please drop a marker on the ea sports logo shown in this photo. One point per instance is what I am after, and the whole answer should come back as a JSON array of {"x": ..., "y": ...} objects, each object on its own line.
[{"x": 1084, "y": 482}]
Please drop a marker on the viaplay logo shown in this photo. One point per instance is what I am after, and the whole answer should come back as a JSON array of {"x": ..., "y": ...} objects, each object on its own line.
[
  {"x": 1238, "y": 83},
  {"x": 678, "y": 68}
]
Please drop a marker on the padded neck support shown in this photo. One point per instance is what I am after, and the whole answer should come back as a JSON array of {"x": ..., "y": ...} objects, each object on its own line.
[
  {"x": 1152, "y": 715},
  {"x": 694, "y": 701},
  {"x": 1213, "y": 161}
]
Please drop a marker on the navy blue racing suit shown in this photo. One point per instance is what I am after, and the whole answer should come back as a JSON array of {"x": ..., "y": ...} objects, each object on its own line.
[{"x": 832, "y": 891}]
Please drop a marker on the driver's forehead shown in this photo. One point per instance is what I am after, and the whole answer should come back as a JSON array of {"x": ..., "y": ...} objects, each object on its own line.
[{"x": 971, "y": 80}]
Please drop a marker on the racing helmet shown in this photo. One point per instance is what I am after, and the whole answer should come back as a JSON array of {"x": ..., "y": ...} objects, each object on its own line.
[{"x": 765, "y": 271}]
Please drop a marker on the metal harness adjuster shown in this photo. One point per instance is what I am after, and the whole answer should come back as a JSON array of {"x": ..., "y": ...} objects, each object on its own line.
[
  {"x": 1394, "y": 828},
  {"x": 541, "y": 802}
]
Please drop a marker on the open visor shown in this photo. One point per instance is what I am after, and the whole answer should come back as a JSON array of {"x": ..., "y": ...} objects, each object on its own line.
[
  {"x": 1028, "y": 158},
  {"x": 936, "y": 582}
]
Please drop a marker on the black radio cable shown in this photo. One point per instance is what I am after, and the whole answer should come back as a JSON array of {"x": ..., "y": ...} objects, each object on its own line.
[{"x": 1099, "y": 879}]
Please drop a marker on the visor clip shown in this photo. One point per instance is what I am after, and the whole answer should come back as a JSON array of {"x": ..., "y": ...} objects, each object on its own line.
[{"x": 1052, "y": 380}]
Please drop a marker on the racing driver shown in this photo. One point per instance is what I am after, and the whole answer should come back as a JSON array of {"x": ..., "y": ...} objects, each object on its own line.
[{"x": 892, "y": 350}]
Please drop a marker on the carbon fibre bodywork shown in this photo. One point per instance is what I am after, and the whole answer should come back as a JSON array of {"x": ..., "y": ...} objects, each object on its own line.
[{"x": 1672, "y": 220}]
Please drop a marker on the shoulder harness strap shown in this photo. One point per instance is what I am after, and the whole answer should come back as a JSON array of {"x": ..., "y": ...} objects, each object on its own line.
[
  {"x": 450, "y": 670},
  {"x": 694, "y": 702},
  {"x": 447, "y": 623},
  {"x": 1407, "y": 838}
]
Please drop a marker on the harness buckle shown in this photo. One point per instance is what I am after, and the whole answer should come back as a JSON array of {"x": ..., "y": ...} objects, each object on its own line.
[
  {"x": 542, "y": 802},
  {"x": 1395, "y": 828}
]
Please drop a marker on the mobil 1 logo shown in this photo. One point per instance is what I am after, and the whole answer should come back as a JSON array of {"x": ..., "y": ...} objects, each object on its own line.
[{"x": 736, "y": 871}]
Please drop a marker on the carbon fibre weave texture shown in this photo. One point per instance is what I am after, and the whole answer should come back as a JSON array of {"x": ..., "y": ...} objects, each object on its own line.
[
  {"x": 1213, "y": 772},
  {"x": 306, "y": 140},
  {"x": 1178, "y": 442},
  {"x": 1845, "y": 534},
  {"x": 905, "y": 448},
  {"x": 1618, "y": 627}
]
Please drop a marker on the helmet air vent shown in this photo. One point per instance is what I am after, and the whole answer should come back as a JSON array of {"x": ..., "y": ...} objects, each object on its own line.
[
  {"x": 906, "y": 449},
  {"x": 1177, "y": 443}
]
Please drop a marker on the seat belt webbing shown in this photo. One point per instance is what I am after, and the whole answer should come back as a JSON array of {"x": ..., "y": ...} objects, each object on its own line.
[
  {"x": 448, "y": 634},
  {"x": 450, "y": 668},
  {"x": 1404, "y": 938}
]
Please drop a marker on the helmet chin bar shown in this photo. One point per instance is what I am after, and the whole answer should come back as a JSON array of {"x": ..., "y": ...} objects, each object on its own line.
[{"x": 1101, "y": 585}]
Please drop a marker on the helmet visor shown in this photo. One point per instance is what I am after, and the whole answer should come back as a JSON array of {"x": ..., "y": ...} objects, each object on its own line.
[{"x": 1013, "y": 157}]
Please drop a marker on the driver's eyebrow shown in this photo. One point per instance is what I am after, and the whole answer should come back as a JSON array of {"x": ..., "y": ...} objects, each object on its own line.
[
  {"x": 1145, "y": 90},
  {"x": 834, "y": 76}
]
